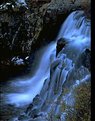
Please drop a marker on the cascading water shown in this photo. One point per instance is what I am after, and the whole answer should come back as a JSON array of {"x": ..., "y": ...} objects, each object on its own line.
[
  {"x": 64, "y": 74},
  {"x": 76, "y": 31},
  {"x": 29, "y": 88},
  {"x": 75, "y": 25}
]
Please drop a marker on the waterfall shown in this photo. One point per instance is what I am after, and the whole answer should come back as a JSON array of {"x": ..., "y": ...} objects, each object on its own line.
[
  {"x": 64, "y": 74},
  {"x": 29, "y": 88},
  {"x": 75, "y": 25},
  {"x": 76, "y": 31}
]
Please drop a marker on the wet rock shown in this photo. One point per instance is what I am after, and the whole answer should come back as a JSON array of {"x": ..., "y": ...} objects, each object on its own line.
[
  {"x": 34, "y": 113},
  {"x": 86, "y": 56},
  {"x": 85, "y": 59},
  {"x": 23, "y": 117},
  {"x": 61, "y": 43},
  {"x": 57, "y": 94}
]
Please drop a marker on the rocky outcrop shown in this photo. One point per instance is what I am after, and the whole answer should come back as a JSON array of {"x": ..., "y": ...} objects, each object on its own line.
[
  {"x": 56, "y": 98},
  {"x": 63, "y": 7},
  {"x": 85, "y": 59},
  {"x": 21, "y": 26},
  {"x": 25, "y": 27}
]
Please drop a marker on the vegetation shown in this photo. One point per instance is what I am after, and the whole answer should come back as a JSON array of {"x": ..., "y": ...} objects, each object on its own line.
[{"x": 82, "y": 111}]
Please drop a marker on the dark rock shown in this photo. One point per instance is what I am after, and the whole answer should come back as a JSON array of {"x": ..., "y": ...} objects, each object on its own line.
[
  {"x": 34, "y": 113},
  {"x": 23, "y": 117},
  {"x": 85, "y": 59},
  {"x": 11, "y": 67},
  {"x": 60, "y": 45},
  {"x": 29, "y": 108}
]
